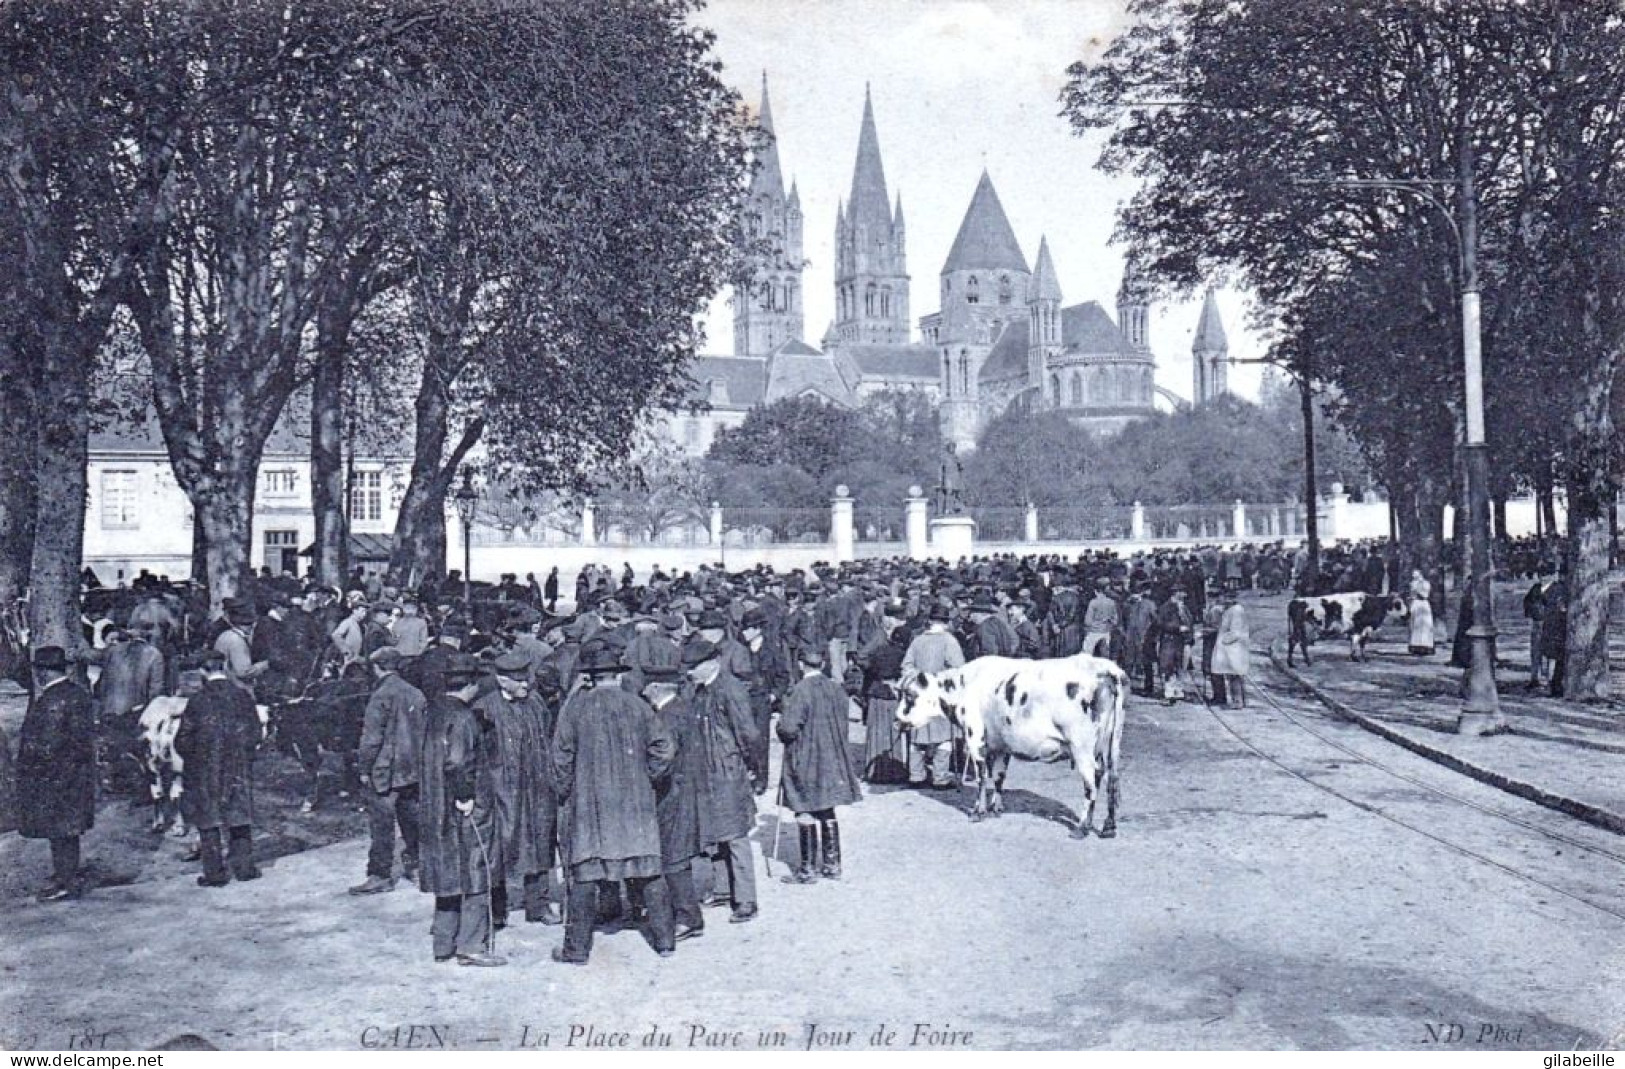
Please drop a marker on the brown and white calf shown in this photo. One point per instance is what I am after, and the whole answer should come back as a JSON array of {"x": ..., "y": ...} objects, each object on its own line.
[
  {"x": 160, "y": 720},
  {"x": 1050, "y": 710}
]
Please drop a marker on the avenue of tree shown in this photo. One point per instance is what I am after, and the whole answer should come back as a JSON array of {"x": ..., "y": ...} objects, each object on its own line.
[
  {"x": 506, "y": 212},
  {"x": 1327, "y": 156}
]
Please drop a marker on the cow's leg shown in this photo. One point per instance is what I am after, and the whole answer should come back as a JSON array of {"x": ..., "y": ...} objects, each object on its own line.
[
  {"x": 159, "y": 790},
  {"x": 1106, "y": 776},
  {"x": 1085, "y": 763},
  {"x": 976, "y": 753},
  {"x": 177, "y": 787},
  {"x": 1001, "y": 765}
]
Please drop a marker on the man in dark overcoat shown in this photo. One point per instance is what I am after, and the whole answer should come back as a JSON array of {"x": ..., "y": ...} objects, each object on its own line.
[
  {"x": 727, "y": 803},
  {"x": 218, "y": 735},
  {"x": 457, "y": 848},
  {"x": 388, "y": 759},
  {"x": 609, "y": 749},
  {"x": 817, "y": 773},
  {"x": 521, "y": 727},
  {"x": 56, "y": 770},
  {"x": 677, "y": 804}
]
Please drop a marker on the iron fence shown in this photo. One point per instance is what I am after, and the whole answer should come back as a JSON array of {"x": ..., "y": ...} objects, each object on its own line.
[{"x": 1108, "y": 523}]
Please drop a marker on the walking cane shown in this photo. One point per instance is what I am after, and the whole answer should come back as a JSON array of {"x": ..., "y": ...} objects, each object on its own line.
[{"x": 490, "y": 884}]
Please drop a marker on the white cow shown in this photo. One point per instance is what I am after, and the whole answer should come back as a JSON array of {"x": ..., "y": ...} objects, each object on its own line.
[
  {"x": 160, "y": 720},
  {"x": 1068, "y": 707}
]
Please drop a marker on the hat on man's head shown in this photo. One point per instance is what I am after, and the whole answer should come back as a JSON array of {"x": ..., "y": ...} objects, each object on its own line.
[
  {"x": 699, "y": 651},
  {"x": 512, "y": 663},
  {"x": 661, "y": 673},
  {"x": 461, "y": 669},
  {"x": 753, "y": 618},
  {"x": 54, "y": 658},
  {"x": 983, "y": 604},
  {"x": 385, "y": 657},
  {"x": 239, "y": 612},
  {"x": 938, "y": 613},
  {"x": 599, "y": 658},
  {"x": 711, "y": 618},
  {"x": 810, "y": 655}
]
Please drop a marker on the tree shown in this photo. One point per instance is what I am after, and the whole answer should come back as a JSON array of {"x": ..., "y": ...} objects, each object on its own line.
[
  {"x": 658, "y": 489},
  {"x": 817, "y": 436}
]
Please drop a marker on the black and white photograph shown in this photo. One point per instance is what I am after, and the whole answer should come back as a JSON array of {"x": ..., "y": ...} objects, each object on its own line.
[{"x": 837, "y": 526}]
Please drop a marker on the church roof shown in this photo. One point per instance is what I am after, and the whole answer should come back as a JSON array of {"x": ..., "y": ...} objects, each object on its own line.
[
  {"x": 1210, "y": 329},
  {"x": 985, "y": 240},
  {"x": 894, "y": 361},
  {"x": 794, "y": 369},
  {"x": 743, "y": 380},
  {"x": 868, "y": 206},
  {"x": 1044, "y": 286},
  {"x": 1008, "y": 357},
  {"x": 1086, "y": 328},
  {"x": 768, "y": 178}
]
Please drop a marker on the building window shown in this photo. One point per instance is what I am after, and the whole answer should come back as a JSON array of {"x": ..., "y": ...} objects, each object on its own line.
[
  {"x": 367, "y": 497},
  {"x": 885, "y": 302},
  {"x": 279, "y": 483},
  {"x": 691, "y": 432},
  {"x": 118, "y": 499},
  {"x": 869, "y": 300},
  {"x": 1055, "y": 389},
  {"x": 1004, "y": 289},
  {"x": 1077, "y": 388},
  {"x": 973, "y": 291},
  {"x": 948, "y": 372},
  {"x": 964, "y": 372}
]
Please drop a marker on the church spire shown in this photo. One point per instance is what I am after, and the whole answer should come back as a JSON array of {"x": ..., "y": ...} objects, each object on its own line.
[
  {"x": 1210, "y": 336},
  {"x": 768, "y": 178},
  {"x": 867, "y": 206},
  {"x": 1210, "y": 354},
  {"x": 1045, "y": 286},
  {"x": 985, "y": 240}
]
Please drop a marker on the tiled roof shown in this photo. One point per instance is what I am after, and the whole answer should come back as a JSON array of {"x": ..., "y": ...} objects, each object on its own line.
[
  {"x": 742, "y": 380},
  {"x": 289, "y": 437},
  {"x": 794, "y": 369},
  {"x": 894, "y": 361},
  {"x": 985, "y": 240},
  {"x": 1086, "y": 328},
  {"x": 1008, "y": 358}
]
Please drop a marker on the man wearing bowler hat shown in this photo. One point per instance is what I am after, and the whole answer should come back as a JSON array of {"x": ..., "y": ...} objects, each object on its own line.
[{"x": 56, "y": 770}]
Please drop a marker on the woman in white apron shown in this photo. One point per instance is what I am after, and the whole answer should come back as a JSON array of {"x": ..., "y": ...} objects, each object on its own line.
[{"x": 1421, "y": 642}]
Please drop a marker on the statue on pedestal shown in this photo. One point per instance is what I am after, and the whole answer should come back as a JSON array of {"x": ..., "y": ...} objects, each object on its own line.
[{"x": 951, "y": 486}]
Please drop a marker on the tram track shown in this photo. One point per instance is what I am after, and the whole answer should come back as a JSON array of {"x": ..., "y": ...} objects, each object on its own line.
[{"x": 1313, "y": 772}]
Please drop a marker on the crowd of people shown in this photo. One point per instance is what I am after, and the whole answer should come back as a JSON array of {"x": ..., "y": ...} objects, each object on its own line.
[{"x": 622, "y": 741}]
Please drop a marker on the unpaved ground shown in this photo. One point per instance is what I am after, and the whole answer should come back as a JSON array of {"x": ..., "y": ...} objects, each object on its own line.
[{"x": 1239, "y": 907}]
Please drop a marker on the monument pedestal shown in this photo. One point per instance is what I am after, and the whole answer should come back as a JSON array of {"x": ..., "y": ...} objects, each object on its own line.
[{"x": 953, "y": 537}]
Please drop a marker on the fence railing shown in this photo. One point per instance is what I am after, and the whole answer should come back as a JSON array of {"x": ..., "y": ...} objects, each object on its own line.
[
  {"x": 1110, "y": 523},
  {"x": 764, "y": 526}
]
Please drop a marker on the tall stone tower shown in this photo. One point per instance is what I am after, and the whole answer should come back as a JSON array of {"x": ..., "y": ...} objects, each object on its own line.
[
  {"x": 1043, "y": 324},
  {"x": 1134, "y": 310},
  {"x": 871, "y": 263},
  {"x": 985, "y": 282},
  {"x": 1210, "y": 354},
  {"x": 767, "y": 301}
]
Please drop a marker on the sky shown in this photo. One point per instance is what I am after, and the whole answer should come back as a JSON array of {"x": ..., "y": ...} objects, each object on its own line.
[{"x": 957, "y": 85}]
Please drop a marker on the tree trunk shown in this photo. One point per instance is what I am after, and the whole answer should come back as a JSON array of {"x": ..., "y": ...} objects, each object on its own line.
[
  {"x": 1498, "y": 513},
  {"x": 225, "y": 510},
  {"x": 19, "y": 482},
  {"x": 420, "y": 528},
  {"x": 1430, "y": 499},
  {"x": 63, "y": 426},
  {"x": 331, "y": 563},
  {"x": 1590, "y": 490}
]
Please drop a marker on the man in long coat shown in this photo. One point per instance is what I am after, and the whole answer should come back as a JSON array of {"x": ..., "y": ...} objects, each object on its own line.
[
  {"x": 457, "y": 849},
  {"x": 817, "y": 774},
  {"x": 1174, "y": 630},
  {"x": 885, "y": 756},
  {"x": 388, "y": 759},
  {"x": 609, "y": 749},
  {"x": 677, "y": 802},
  {"x": 727, "y": 732},
  {"x": 521, "y": 728},
  {"x": 56, "y": 770},
  {"x": 931, "y": 746},
  {"x": 216, "y": 740},
  {"x": 132, "y": 675}
]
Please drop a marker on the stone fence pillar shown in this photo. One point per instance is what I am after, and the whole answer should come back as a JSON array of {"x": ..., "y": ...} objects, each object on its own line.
[
  {"x": 716, "y": 524},
  {"x": 589, "y": 533},
  {"x": 1030, "y": 527},
  {"x": 1136, "y": 523},
  {"x": 1238, "y": 521},
  {"x": 914, "y": 525},
  {"x": 840, "y": 524}
]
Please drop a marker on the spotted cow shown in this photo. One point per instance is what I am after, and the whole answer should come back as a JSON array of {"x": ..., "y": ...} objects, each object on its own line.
[
  {"x": 1050, "y": 710},
  {"x": 160, "y": 720},
  {"x": 1354, "y": 614}
]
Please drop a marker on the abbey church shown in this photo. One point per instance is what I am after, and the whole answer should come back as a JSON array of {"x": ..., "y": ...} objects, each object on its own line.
[{"x": 1002, "y": 336}]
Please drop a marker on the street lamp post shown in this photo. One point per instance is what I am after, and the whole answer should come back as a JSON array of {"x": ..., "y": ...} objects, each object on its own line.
[
  {"x": 1311, "y": 489},
  {"x": 466, "y": 498},
  {"x": 1481, "y": 709}
]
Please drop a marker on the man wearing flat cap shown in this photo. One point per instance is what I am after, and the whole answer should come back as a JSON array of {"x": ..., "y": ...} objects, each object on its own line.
[
  {"x": 218, "y": 735},
  {"x": 935, "y": 650},
  {"x": 650, "y": 648},
  {"x": 727, "y": 732},
  {"x": 457, "y": 853},
  {"x": 609, "y": 751},
  {"x": 56, "y": 770},
  {"x": 527, "y": 811},
  {"x": 388, "y": 758}
]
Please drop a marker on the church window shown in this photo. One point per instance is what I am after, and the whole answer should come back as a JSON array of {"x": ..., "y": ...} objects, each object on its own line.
[
  {"x": 948, "y": 371},
  {"x": 947, "y": 286},
  {"x": 964, "y": 371},
  {"x": 1147, "y": 387},
  {"x": 1055, "y": 389},
  {"x": 765, "y": 297},
  {"x": 973, "y": 293},
  {"x": 1004, "y": 289},
  {"x": 885, "y": 302},
  {"x": 1077, "y": 388},
  {"x": 869, "y": 300}
]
